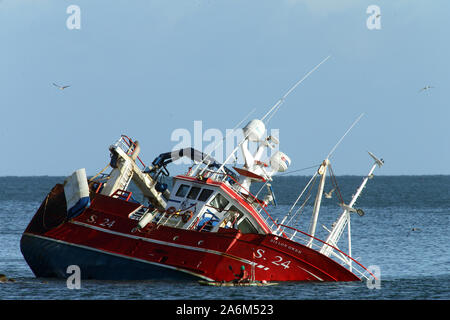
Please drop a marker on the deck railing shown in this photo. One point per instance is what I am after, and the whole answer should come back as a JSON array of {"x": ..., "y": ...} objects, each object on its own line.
[
  {"x": 129, "y": 147},
  {"x": 339, "y": 256}
]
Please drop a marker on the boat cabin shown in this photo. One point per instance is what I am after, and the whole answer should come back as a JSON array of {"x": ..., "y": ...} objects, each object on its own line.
[
  {"x": 207, "y": 206},
  {"x": 203, "y": 199}
]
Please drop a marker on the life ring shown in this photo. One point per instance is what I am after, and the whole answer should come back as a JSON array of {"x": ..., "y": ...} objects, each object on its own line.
[
  {"x": 187, "y": 215},
  {"x": 171, "y": 210}
]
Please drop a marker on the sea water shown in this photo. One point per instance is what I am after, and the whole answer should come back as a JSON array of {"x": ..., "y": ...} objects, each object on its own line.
[{"x": 404, "y": 233}]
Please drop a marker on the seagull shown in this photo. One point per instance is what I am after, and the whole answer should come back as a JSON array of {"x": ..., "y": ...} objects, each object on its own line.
[
  {"x": 328, "y": 194},
  {"x": 425, "y": 88},
  {"x": 60, "y": 87}
]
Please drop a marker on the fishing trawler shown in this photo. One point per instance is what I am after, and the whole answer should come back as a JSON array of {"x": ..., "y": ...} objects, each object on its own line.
[{"x": 206, "y": 227}]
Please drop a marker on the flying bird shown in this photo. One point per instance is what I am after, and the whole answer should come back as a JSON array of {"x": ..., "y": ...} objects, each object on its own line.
[
  {"x": 425, "y": 88},
  {"x": 328, "y": 194},
  {"x": 60, "y": 87}
]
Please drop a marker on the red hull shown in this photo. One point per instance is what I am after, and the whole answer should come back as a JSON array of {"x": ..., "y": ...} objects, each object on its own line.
[{"x": 105, "y": 228}]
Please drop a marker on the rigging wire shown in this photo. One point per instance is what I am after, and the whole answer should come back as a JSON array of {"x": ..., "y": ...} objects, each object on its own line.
[
  {"x": 308, "y": 196},
  {"x": 98, "y": 173},
  {"x": 303, "y": 169},
  {"x": 335, "y": 184},
  {"x": 281, "y": 174},
  {"x": 298, "y": 198}
]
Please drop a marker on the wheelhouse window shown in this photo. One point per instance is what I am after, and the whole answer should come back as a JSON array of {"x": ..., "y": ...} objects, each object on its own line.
[
  {"x": 182, "y": 191},
  {"x": 247, "y": 227},
  {"x": 235, "y": 219},
  {"x": 234, "y": 214},
  {"x": 231, "y": 217},
  {"x": 219, "y": 202},
  {"x": 205, "y": 194},
  {"x": 194, "y": 193}
]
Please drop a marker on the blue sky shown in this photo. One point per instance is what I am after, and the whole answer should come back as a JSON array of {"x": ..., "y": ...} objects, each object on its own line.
[{"x": 146, "y": 68}]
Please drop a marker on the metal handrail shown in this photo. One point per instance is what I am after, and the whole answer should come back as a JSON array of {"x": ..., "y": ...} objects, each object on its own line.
[
  {"x": 333, "y": 247},
  {"x": 129, "y": 143},
  {"x": 256, "y": 200}
]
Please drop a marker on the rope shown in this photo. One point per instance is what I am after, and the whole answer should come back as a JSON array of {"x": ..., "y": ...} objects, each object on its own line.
[
  {"x": 99, "y": 173},
  {"x": 186, "y": 209},
  {"x": 335, "y": 184},
  {"x": 314, "y": 166}
]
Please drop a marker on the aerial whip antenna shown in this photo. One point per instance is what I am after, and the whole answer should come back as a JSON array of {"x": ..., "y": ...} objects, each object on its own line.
[
  {"x": 277, "y": 106},
  {"x": 280, "y": 102},
  {"x": 340, "y": 140},
  {"x": 328, "y": 156}
]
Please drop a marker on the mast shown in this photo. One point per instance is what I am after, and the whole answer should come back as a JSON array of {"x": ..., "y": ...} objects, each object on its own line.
[
  {"x": 323, "y": 168},
  {"x": 323, "y": 172},
  {"x": 349, "y": 236},
  {"x": 336, "y": 232}
]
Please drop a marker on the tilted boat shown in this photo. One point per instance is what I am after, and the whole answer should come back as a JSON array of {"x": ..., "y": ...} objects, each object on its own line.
[{"x": 208, "y": 224}]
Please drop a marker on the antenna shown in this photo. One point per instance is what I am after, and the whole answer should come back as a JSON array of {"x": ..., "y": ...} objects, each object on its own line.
[
  {"x": 277, "y": 105},
  {"x": 280, "y": 102},
  {"x": 379, "y": 162},
  {"x": 223, "y": 139},
  {"x": 340, "y": 140},
  {"x": 329, "y": 155}
]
